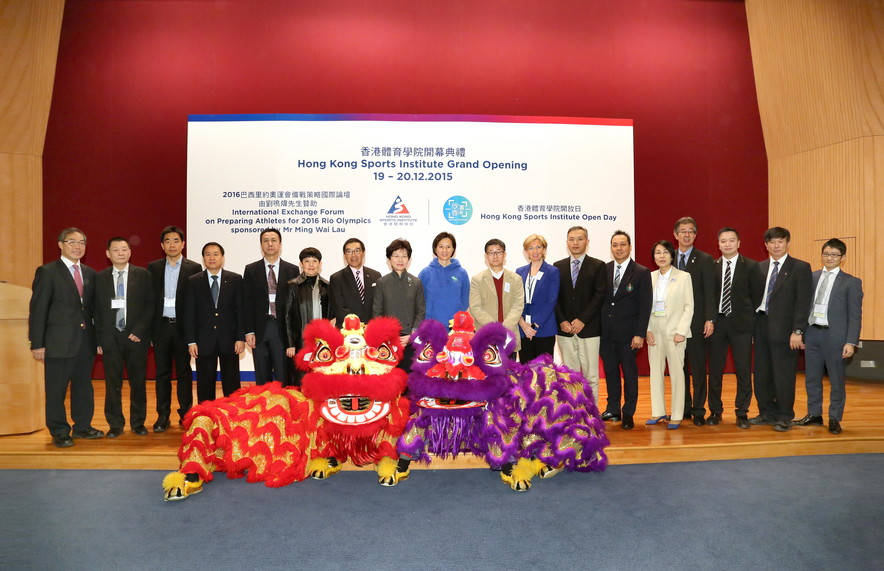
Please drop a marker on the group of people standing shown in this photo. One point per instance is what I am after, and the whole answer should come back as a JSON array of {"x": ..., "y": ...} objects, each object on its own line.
[{"x": 689, "y": 308}]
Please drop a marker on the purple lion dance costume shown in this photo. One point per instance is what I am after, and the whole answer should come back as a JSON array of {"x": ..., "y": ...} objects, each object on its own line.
[{"x": 524, "y": 420}]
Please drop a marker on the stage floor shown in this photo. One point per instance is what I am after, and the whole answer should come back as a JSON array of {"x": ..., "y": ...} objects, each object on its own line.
[{"x": 863, "y": 426}]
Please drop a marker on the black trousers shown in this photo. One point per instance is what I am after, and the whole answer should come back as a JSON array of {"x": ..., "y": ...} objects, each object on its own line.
[
  {"x": 76, "y": 372},
  {"x": 740, "y": 343},
  {"x": 123, "y": 352},
  {"x": 695, "y": 375},
  {"x": 206, "y": 367},
  {"x": 619, "y": 356},
  {"x": 532, "y": 348},
  {"x": 269, "y": 356},
  {"x": 170, "y": 351},
  {"x": 775, "y": 365}
]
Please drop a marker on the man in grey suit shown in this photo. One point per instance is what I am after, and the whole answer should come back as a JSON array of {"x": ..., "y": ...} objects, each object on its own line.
[
  {"x": 123, "y": 318},
  {"x": 835, "y": 321},
  {"x": 62, "y": 337}
]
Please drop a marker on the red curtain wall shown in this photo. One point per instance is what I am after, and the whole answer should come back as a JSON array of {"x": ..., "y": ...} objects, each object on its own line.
[{"x": 130, "y": 72}]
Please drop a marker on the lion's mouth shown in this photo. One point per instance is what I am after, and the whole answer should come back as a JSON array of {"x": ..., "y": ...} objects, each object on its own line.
[
  {"x": 353, "y": 410},
  {"x": 430, "y": 402}
]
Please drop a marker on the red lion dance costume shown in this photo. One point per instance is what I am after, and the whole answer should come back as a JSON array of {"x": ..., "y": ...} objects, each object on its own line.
[
  {"x": 524, "y": 420},
  {"x": 350, "y": 407}
]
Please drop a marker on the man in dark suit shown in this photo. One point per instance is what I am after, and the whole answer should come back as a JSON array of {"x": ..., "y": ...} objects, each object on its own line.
[
  {"x": 579, "y": 306},
  {"x": 214, "y": 324},
  {"x": 169, "y": 276},
  {"x": 835, "y": 322},
  {"x": 781, "y": 318},
  {"x": 265, "y": 292},
  {"x": 62, "y": 337},
  {"x": 625, "y": 314},
  {"x": 123, "y": 317},
  {"x": 352, "y": 288},
  {"x": 735, "y": 280},
  {"x": 702, "y": 269}
]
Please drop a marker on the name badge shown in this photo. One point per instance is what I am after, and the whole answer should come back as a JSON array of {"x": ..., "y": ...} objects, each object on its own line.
[
  {"x": 506, "y": 287},
  {"x": 118, "y": 303},
  {"x": 272, "y": 297},
  {"x": 660, "y": 309},
  {"x": 168, "y": 302},
  {"x": 820, "y": 310},
  {"x": 528, "y": 319}
]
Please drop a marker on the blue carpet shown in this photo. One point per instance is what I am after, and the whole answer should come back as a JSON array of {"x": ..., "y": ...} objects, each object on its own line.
[{"x": 813, "y": 512}]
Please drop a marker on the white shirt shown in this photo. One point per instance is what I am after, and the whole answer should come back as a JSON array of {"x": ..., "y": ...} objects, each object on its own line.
[{"x": 820, "y": 315}]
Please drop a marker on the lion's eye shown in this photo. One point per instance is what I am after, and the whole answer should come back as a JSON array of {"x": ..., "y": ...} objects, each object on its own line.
[
  {"x": 323, "y": 353},
  {"x": 385, "y": 353},
  {"x": 491, "y": 356},
  {"x": 426, "y": 355}
]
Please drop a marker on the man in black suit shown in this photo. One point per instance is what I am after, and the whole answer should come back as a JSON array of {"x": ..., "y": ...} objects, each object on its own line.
[
  {"x": 265, "y": 292},
  {"x": 579, "y": 306},
  {"x": 169, "y": 276},
  {"x": 835, "y": 322},
  {"x": 123, "y": 317},
  {"x": 781, "y": 318},
  {"x": 62, "y": 337},
  {"x": 702, "y": 269},
  {"x": 625, "y": 314},
  {"x": 214, "y": 324},
  {"x": 735, "y": 281},
  {"x": 352, "y": 288}
]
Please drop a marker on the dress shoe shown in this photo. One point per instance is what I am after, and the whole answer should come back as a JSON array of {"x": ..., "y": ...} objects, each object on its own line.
[
  {"x": 627, "y": 423},
  {"x": 656, "y": 420},
  {"x": 714, "y": 419},
  {"x": 62, "y": 441},
  {"x": 114, "y": 432},
  {"x": 610, "y": 416},
  {"x": 743, "y": 422},
  {"x": 782, "y": 426},
  {"x": 673, "y": 426},
  {"x": 808, "y": 420},
  {"x": 758, "y": 420},
  {"x": 834, "y": 426},
  {"x": 687, "y": 416},
  {"x": 161, "y": 424},
  {"x": 89, "y": 434},
  {"x": 140, "y": 430},
  {"x": 699, "y": 420}
]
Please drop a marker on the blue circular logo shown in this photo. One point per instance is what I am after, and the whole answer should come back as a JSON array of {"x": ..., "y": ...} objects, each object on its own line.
[{"x": 457, "y": 210}]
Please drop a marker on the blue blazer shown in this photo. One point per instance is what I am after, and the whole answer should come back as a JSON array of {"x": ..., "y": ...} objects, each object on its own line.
[{"x": 542, "y": 308}]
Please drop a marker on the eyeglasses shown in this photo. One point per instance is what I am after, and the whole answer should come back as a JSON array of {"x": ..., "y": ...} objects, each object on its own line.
[
  {"x": 75, "y": 242},
  {"x": 684, "y": 232},
  {"x": 495, "y": 253},
  {"x": 353, "y": 251},
  {"x": 834, "y": 255}
]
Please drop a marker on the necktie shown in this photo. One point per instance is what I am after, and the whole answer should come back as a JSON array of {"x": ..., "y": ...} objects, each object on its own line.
[
  {"x": 770, "y": 284},
  {"x": 617, "y": 279},
  {"x": 681, "y": 261},
  {"x": 575, "y": 269},
  {"x": 78, "y": 279},
  {"x": 271, "y": 288},
  {"x": 726, "y": 291},
  {"x": 821, "y": 290},
  {"x": 121, "y": 294},
  {"x": 216, "y": 289},
  {"x": 360, "y": 286}
]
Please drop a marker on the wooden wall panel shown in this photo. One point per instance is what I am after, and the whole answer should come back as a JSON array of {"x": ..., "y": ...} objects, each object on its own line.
[
  {"x": 29, "y": 32},
  {"x": 819, "y": 72}
]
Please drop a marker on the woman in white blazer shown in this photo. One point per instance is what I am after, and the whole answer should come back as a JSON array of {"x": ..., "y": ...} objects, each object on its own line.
[{"x": 668, "y": 330}]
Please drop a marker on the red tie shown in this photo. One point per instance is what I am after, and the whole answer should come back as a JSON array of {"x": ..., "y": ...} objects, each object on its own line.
[{"x": 78, "y": 279}]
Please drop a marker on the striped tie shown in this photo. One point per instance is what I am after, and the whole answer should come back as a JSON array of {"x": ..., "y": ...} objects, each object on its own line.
[
  {"x": 617, "y": 278},
  {"x": 770, "y": 284},
  {"x": 726, "y": 291},
  {"x": 360, "y": 286},
  {"x": 271, "y": 288},
  {"x": 575, "y": 269}
]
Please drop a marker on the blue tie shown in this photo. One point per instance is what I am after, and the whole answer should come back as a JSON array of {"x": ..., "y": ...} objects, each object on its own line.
[
  {"x": 121, "y": 294},
  {"x": 575, "y": 269},
  {"x": 770, "y": 284}
]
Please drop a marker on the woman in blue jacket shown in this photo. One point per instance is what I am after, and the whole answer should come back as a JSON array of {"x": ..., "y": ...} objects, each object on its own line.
[
  {"x": 446, "y": 283},
  {"x": 538, "y": 322}
]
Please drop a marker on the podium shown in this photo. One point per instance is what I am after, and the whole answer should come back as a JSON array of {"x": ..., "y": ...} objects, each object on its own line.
[{"x": 22, "y": 407}]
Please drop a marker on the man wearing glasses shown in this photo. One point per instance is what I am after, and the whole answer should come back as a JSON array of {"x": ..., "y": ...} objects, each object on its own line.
[
  {"x": 62, "y": 337},
  {"x": 833, "y": 333},
  {"x": 496, "y": 294},
  {"x": 352, "y": 289}
]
